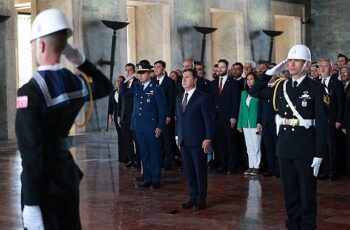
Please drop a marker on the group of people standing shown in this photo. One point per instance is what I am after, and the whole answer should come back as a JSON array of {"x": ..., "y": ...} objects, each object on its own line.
[
  {"x": 296, "y": 116},
  {"x": 240, "y": 100}
]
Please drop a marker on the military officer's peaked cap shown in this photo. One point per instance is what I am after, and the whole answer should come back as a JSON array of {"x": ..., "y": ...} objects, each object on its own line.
[{"x": 143, "y": 66}]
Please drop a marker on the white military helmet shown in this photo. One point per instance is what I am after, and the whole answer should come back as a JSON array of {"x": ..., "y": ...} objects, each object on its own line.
[
  {"x": 299, "y": 52},
  {"x": 48, "y": 22}
]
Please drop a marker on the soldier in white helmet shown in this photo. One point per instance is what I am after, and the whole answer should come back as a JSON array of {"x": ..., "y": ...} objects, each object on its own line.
[
  {"x": 302, "y": 105},
  {"x": 46, "y": 109}
]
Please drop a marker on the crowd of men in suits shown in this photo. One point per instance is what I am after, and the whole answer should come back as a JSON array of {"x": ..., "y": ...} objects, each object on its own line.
[{"x": 228, "y": 152}]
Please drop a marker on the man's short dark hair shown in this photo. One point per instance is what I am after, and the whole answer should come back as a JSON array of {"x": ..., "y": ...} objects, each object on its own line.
[
  {"x": 162, "y": 63},
  {"x": 215, "y": 65},
  {"x": 344, "y": 56},
  {"x": 223, "y": 61},
  {"x": 239, "y": 64},
  {"x": 198, "y": 63},
  {"x": 193, "y": 71},
  {"x": 56, "y": 41},
  {"x": 130, "y": 64},
  {"x": 122, "y": 77}
]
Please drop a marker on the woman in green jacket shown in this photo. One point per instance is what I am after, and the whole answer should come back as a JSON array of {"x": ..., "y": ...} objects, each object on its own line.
[{"x": 248, "y": 123}]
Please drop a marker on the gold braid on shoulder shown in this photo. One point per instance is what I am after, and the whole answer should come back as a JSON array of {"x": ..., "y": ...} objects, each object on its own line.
[
  {"x": 275, "y": 84},
  {"x": 88, "y": 114}
]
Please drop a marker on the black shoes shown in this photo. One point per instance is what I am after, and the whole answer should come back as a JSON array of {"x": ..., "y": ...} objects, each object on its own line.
[
  {"x": 139, "y": 178},
  {"x": 156, "y": 186},
  {"x": 196, "y": 206},
  {"x": 187, "y": 205},
  {"x": 268, "y": 174},
  {"x": 144, "y": 185},
  {"x": 323, "y": 176},
  {"x": 199, "y": 206},
  {"x": 168, "y": 168},
  {"x": 333, "y": 177}
]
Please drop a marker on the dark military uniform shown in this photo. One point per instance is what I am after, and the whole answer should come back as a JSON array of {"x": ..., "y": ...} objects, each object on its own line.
[
  {"x": 298, "y": 145},
  {"x": 46, "y": 109},
  {"x": 149, "y": 113}
]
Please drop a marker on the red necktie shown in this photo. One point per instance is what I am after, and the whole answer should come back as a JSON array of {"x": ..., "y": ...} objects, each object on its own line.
[{"x": 220, "y": 85}]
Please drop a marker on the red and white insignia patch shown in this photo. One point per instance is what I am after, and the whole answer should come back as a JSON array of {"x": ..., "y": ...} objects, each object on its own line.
[{"x": 22, "y": 102}]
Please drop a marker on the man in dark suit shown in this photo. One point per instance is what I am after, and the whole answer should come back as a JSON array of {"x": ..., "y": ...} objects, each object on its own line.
[
  {"x": 195, "y": 132},
  {"x": 225, "y": 102},
  {"x": 269, "y": 134},
  {"x": 346, "y": 124},
  {"x": 148, "y": 121},
  {"x": 236, "y": 73},
  {"x": 125, "y": 110},
  {"x": 113, "y": 104},
  {"x": 167, "y": 137},
  {"x": 335, "y": 117},
  {"x": 202, "y": 82},
  {"x": 241, "y": 149}
]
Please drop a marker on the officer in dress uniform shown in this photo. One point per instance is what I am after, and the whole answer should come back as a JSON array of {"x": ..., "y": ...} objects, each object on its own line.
[
  {"x": 302, "y": 105},
  {"x": 46, "y": 108},
  {"x": 148, "y": 120}
]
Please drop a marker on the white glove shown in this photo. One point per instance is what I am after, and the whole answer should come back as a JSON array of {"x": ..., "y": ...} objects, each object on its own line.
[
  {"x": 277, "y": 69},
  {"x": 74, "y": 55},
  {"x": 316, "y": 163},
  {"x": 32, "y": 218}
]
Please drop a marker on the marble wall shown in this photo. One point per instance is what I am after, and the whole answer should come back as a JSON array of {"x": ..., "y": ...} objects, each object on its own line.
[
  {"x": 7, "y": 71},
  {"x": 329, "y": 28},
  {"x": 168, "y": 26}
]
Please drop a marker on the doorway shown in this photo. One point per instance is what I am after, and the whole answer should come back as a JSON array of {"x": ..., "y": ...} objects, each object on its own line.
[
  {"x": 291, "y": 27},
  {"x": 24, "y": 50}
]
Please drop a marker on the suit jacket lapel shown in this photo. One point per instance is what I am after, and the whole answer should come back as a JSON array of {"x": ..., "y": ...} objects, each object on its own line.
[{"x": 193, "y": 97}]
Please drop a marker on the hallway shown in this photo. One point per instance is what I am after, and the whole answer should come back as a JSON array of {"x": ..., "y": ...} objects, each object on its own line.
[{"x": 109, "y": 199}]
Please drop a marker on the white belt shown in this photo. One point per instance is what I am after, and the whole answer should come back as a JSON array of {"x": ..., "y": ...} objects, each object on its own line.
[
  {"x": 293, "y": 122},
  {"x": 296, "y": 122}
]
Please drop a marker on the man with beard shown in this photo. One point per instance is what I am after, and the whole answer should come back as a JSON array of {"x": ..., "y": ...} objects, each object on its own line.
[{"x": 224, "y": 94}]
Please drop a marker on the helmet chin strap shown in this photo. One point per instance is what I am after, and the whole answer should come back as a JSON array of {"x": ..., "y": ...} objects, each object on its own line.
[
  {"x": 302, "y": 69},
  {"x": 37, "y": 50}
]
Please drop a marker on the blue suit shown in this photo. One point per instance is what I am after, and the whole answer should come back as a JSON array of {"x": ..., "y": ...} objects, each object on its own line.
[
  {"x": 149, "y": 114},
  {"x": 194, "y": 125}
]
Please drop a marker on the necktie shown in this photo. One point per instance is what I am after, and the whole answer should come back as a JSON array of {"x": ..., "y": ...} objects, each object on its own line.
[
  {"x": 184, "y": 102},
  {"x": 324, "y": 81},
  {"x": 142, "y": 87},
  {"x": 295, "y": 84},
  {"x": 220, "y": 85},
  {"x": 129, "y": 84},
  {"x": 158, "y": 82}
]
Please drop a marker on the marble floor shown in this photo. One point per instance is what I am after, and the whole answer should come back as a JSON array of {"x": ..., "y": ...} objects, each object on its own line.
[{"x": 109, "y": 199}]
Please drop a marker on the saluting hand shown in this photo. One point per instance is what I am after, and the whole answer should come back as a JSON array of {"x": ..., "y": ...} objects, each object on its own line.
[
  {"x": 206, "y": 145},
  {"x": 277, "y": 69},
  {"x": 158, "y": 132}
]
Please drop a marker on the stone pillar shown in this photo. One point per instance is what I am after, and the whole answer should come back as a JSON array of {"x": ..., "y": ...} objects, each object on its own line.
[
  {"x": 329, "y": 28},
  {"x": 97, "y": 40},
  {"x": 258, "y": 19},
  {"x": 187, "y": 41},
  {"x": 7, "y": 71}
]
